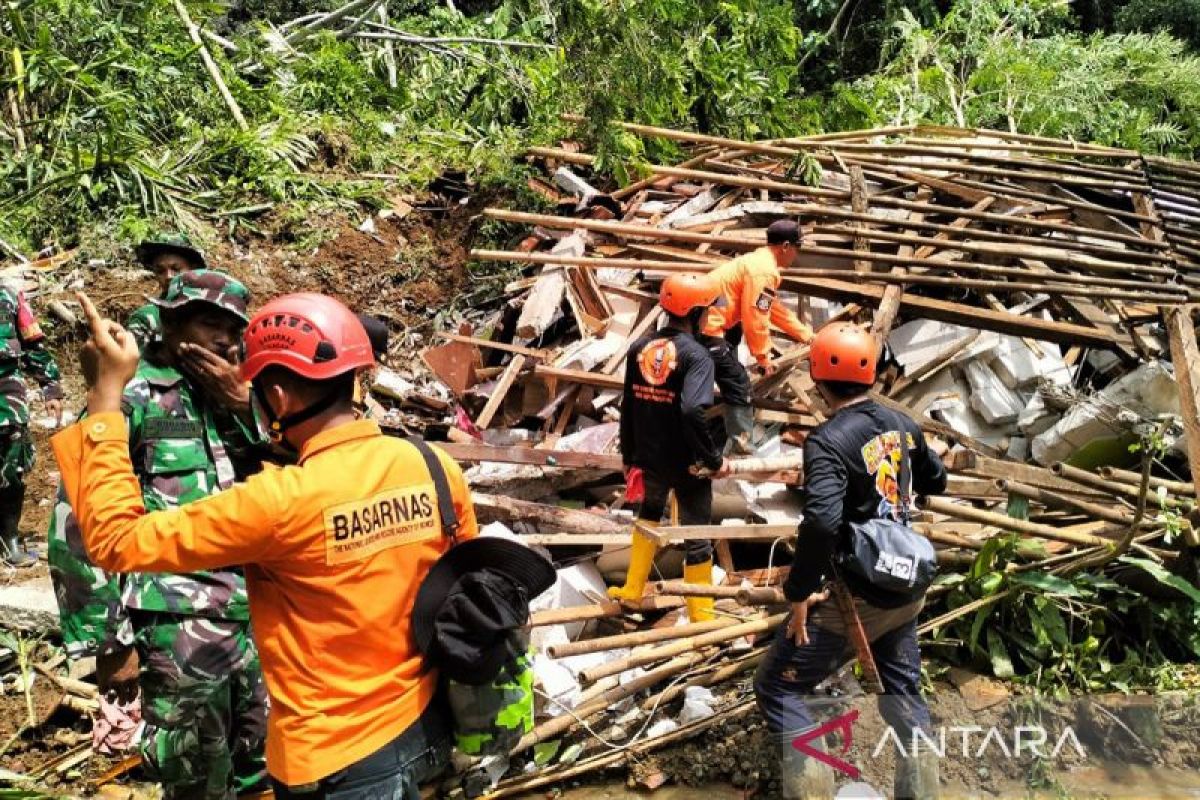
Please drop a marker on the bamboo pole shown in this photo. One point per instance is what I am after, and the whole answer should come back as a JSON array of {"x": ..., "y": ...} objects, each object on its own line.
[
  {"x": 747, "y": 662},
  {"x": 1044, "y": 252},
  {"x": 556, "y": 726},
  {"x": 210, "y": 65},
  {"x": 761, "y": 596},
  {"x": 1125, "y": 476},
  {"x": 1006, "y": 220},
  {"x": 949, "y": 508},
  {"x": 1066, "y": 502},
  {"x": 1110, "y": 486},
  {"x": 684, "y": 589},
  {"x": 682, "y": 646},
  {"x": 1091, "y": 285},
  {"x": 564, "y": 616},
  {"x": 628, "y": 640}
]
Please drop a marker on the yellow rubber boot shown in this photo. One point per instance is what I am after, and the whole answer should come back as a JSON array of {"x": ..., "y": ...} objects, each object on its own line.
[
  {"x": 641, "y": 559},
  {"x": 700, "y": 609}
]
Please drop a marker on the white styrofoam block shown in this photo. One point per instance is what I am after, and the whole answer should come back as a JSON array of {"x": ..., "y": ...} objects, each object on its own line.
[
  {"x": 1019, "y": 367},
  {"x": 917, "y": 343},
  {"x": 955, "y": 411},
  {"x": 994, "y": 401}
]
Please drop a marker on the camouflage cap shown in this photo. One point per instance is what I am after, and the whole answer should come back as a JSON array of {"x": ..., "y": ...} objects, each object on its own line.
[
  {"x": 206, "y": 286},
  {"x": 169, "y": 242}
]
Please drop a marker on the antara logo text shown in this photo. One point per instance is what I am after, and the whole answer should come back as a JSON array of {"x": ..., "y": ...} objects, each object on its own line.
[{"x": 965, "y": 741}]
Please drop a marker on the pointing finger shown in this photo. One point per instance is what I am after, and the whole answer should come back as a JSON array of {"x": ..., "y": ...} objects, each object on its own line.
[{"x": 90, "y": 313}]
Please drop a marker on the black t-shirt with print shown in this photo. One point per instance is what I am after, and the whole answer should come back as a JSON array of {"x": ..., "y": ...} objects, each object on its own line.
[
  {"x": 851, "y": 474},
  {"x": 668, "y": 392}
]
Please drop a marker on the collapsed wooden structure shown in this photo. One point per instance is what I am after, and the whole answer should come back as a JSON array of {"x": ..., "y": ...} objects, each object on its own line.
[{"x": 1072, "y": 250}]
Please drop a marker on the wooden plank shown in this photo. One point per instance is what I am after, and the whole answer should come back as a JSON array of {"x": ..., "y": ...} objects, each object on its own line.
[
  {"x": 967, "y": 316},
  {"x": 1181, "y": 330},
  {"x": 500, "y": 392},
  {"x": 580, "y": 376},
  {"x": 977, "y": 465},
  {"x": 575, "y": 539},
  {"x": 529, "y": 455},
  {"x": 528, "y": 352},
  {"x": 491, "y": 507},
  {"x": 547, "y": 294},
  {"x": 745, "y": 532},
  {"x": 647, "y": 323},
  {"x": 859, "y": 203}
]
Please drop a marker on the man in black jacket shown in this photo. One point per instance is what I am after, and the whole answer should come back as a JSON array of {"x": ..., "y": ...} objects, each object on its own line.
[
  {"x": 852, "y": 469},
  {"x": 666, "y": 433}
]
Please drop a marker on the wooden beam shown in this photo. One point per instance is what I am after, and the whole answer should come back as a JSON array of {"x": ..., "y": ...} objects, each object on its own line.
[
  {"x": 745, "y": 532},
  {"x": 528, "y": 352},
  {"x": 1181, "y": 329},
  {"x": 500, "y": 391},
  {"x": 529, "y": 455},
  {"x": 859, "y": 203},
  {"x": 967, "y": 316},
  {"x": 564, "y": 520}
]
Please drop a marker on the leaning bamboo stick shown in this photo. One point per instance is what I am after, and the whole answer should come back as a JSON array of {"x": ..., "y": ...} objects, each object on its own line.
[
  {"x": 682, "y": 646},
  {"x": 627, "y": 640},
  {"x": 942, "y": 505},
  {"x": 711, "y": 678},
  {"x": 210, "y": 66},
  {"x": 556, "y": 726}
]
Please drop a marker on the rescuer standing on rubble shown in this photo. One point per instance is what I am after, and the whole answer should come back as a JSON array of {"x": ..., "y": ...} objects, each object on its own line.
[
  {"x": 859, "y": 465},
  {"x": 666, "y": 440},
  {"x": 748, "y": 284},
  {"x": 334, "y": 548}
]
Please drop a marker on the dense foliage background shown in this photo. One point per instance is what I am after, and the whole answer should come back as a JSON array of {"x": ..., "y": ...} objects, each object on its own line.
[{"x": 109, "y": 118}]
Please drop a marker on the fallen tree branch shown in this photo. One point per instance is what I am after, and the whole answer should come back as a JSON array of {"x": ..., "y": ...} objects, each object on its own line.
[{"x": 396, "y": 35}]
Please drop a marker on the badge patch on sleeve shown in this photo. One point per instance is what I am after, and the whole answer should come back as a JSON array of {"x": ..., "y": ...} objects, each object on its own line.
[
  {"x": 764, "y": 301},
  {"x": 389, "y": 519}
]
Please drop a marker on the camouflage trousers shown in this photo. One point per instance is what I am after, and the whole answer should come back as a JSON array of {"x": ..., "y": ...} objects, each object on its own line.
[
  {"x": 16, "y": 454},
  {"x": 204, "y": 703}
]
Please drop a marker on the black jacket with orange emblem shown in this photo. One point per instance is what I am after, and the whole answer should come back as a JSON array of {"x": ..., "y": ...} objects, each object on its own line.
[{"x": 664, "y": 414}]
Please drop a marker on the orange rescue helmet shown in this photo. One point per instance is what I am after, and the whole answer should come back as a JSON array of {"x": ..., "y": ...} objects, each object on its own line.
[
  {"x": 311, "y": 334},
  {"x": 684, "y": 291},
  {"x": 845, "y": 353}
]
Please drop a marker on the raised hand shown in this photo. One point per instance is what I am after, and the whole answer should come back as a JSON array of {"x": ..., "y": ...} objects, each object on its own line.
[{"x": 109, "y": 359}]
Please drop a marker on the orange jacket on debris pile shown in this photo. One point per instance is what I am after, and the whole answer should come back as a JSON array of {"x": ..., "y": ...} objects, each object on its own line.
[
  {"x": 750, "y": 283},
  {"x": 334, "y": 551}
]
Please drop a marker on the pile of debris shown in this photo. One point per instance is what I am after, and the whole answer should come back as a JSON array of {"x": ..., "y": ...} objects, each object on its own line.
[{"x": 1036, "y": 296}]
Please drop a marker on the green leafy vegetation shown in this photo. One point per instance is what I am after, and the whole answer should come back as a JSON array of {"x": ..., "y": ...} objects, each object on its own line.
[{"x": 109, "y": 118}]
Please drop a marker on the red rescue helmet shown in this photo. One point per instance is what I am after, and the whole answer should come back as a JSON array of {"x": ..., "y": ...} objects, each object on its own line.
[
  {"x": 684, "y": 291},
  {"x": 843, "y": 352},
  {"x": 311, "y": 334}
]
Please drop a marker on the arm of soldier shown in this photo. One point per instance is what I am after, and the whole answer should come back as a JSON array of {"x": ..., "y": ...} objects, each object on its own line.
[
  {"x": 786, "y": 320},
  {"x": 234, "y": 527},
  {"x": 825, "y": 483},
  {"x": 757, "y": 300},
  {"x": 696, "y": 398}
]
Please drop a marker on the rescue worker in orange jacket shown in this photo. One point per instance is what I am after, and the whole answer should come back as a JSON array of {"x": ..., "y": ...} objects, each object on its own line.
[
  {"x": 749, "y": 284},
  {"x": 334, "y": 547}
]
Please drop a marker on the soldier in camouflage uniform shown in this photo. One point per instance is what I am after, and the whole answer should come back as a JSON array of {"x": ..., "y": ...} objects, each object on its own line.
[
  {"x": 22, "y": 349},
  {"x": 166, "y": 255},
  {"x": 204, "y": 700}
]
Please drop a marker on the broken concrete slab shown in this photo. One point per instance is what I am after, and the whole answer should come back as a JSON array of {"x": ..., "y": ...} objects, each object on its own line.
[
  {"x": 30, "y": 607},
  {"x": 920, "y": 342}
]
